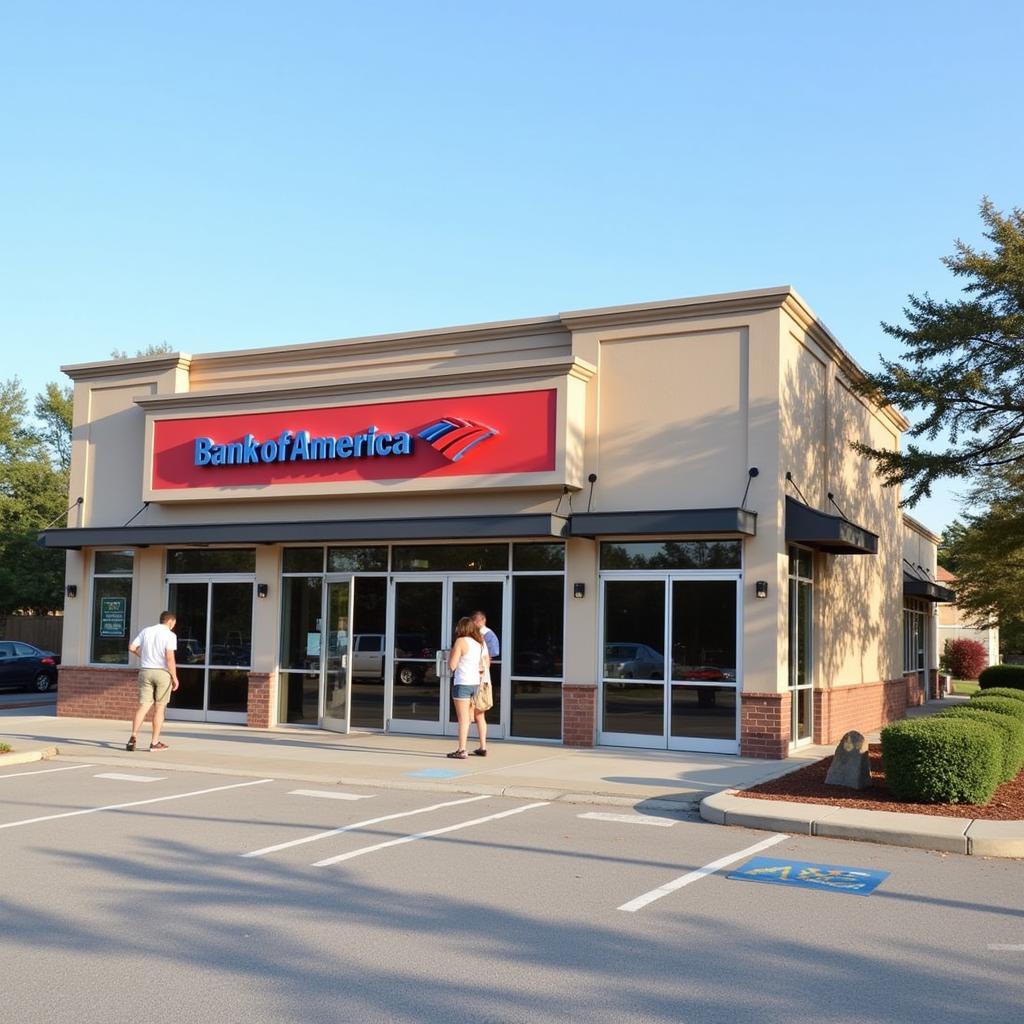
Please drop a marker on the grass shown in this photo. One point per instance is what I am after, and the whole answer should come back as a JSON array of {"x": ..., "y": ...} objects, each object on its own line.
[
  {"x": 5, "y": 748},
  {"x": 965, "y": 687}
]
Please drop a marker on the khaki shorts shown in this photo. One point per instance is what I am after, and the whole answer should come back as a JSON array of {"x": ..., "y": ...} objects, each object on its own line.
[{"x": 154, "y": 686}]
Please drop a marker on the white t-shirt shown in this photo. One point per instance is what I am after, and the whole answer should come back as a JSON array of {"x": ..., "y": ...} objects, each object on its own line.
[{"x": 154, "y": 642}]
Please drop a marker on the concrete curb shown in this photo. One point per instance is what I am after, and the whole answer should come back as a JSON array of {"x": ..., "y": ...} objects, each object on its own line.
[
  {"x": 970, "y": 836},
  {"x": 597, "y": 798},
  {"x": 27, "y": 756}
]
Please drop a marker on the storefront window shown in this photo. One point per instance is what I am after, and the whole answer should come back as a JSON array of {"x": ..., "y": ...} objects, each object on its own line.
[
  {"x": 303, "y": 560},
  {"x": 801, "y": 584},
  {"x": 704, "y": 630},
  {"x": 357, "y": 559},
  {"x": 450, "y": 558},
  {"x": 211, "y": 560},
  {"x": 111, "y": 607},
  {"x": 538, "y": 557},
  {"x": 537, "y": 630},
  {"x": 671, "y": 554}
]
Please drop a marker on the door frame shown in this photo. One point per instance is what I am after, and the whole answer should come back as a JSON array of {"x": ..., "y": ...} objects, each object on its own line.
[
  {"x": 329, "y": 722},
  {"x": 443, "y": 727}
]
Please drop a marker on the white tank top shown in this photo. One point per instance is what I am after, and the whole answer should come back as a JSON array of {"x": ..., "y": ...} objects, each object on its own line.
[{"x": 467, "y": 672}]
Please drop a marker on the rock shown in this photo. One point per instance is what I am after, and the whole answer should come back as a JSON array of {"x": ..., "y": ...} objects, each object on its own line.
[{"x": 851, "y": 766}]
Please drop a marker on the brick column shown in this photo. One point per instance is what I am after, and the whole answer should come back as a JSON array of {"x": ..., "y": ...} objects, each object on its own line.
[
  {"x": 262, "y": 694},
  {"x": 579, "y": 714},
  {"x": 915, "y": 691},
  {"x": 84, "y": 691},
  {"x": 764, "y": 724}
]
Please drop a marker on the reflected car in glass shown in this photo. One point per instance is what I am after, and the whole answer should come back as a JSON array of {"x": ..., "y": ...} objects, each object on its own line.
[
  {"x": 27, "y": 667},
  {"x": 632, "y": 661}
]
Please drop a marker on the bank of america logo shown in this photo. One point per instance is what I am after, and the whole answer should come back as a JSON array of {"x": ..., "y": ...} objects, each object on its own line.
[{"x": 453, "y": 437}]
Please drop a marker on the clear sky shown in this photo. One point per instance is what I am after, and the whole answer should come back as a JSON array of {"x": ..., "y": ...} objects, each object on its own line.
[{"x": 224, "y": 174}]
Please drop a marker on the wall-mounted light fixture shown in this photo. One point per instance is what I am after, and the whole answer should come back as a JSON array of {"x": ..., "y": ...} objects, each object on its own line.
[
  {"x": 71, "y": 590},
  {"x": 262, "y": 590},
  {"x": 579, "y": 590},
  {"x": 761, "y": 588}
]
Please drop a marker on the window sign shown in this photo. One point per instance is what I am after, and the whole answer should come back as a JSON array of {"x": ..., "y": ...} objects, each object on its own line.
[{"x": 113, "y": 614}]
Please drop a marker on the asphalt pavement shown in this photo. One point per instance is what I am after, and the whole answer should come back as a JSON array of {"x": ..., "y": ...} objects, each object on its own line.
[{"x": 130, "y": 892}]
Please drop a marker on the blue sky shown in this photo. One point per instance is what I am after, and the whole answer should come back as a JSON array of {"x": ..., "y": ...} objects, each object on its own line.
[{"x": 222, "y": 175}]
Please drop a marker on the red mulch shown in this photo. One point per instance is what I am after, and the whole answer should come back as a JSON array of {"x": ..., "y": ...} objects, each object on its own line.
[{"x": 807, "y": 786}]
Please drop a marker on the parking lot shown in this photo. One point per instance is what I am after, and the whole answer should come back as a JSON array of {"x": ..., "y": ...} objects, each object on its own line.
[{"x": 134, "y": 893}]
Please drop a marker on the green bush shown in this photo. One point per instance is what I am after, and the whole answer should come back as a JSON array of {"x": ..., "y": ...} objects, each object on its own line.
[
  {"x": 1004, "y": 705},
  {"x": 1010, "y": 676},
  {"x": 1000, "y": 691},
  {"x": 1011, "y": 728},
  {"x": 942, "y": 760}
]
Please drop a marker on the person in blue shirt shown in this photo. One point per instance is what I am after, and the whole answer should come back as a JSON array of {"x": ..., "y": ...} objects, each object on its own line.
[{"x": 490, "y": 637}]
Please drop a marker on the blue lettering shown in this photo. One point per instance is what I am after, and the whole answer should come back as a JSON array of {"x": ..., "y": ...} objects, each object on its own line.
[
  {"x": 202, "y": 454},
  {"x": 282, "y": 445},
  {"x": 234, "y": 453},
  {"x": 382, "y": 444},
  {"x": 268, "y": 451},
  {"x": 402, "y": 445},
  {"x": 322, "y": 448},
  {"x": 344, "y": 447},
  {"x": 251, "y": 455},
  {"x": 300, "y": 447}
]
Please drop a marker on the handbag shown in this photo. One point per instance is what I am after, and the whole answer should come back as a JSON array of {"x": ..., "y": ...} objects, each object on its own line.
[{"x": 483, "y": 695}]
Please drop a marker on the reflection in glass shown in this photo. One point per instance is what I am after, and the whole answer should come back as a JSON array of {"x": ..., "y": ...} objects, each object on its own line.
[
  {"x": 301, "y": 698},
  {"x": 190, "y": 692},
  {"x": 536, "y": 710},
  {"x": 634, "y": 629},
  {"x": 231, "y": 624},
  {"x": 488, "y": 596},
  {"x": 110, "y": 650},
  {"x": 303, "y": 560},
  {"x": 449, "y": 557},
  {"x": 368, "y": 644},
  {"x": 336, "y": 653},
  {"x": 538, "y": 610},
  {"x": 211, "y": 560},
  {"x": 301, "y": 598},
  {"x": 636, "y": 708},
  {"x": 704, "y": 630},
  {"x": 704, "y": 712},
  {"x": 417, "y": 688},
  {"x": 803, "y": 700},
  {"x": 114, "y": 562},
  {"x": 671, "y": 554},
  {"x": 538, "y": 557},
  {"x": 229, "y": 690},
  {"x": 417, "y": 692},
  {"x": 188, "y": 601},
  {"x": 373, "y": 559}
]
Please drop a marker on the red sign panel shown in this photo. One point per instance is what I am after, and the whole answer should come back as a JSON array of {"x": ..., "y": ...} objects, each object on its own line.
[{"x": 436, "y": 437}]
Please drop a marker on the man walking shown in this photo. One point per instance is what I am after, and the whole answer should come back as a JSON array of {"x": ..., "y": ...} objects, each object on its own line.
[
  {"x": 490, "y": 637},
  {"x": 158, "y": 676}
]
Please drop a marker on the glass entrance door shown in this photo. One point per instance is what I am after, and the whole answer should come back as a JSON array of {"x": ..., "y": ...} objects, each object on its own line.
[
  {"x": 336, "y": 661},
  {"x": 424, "y": 614}
]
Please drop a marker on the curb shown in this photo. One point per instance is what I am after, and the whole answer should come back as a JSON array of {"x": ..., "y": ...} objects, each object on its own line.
[
  {"x": 662, "y": 804},
  {"x": 970, "y": 836},
  {"x": 28, "y": 756}
]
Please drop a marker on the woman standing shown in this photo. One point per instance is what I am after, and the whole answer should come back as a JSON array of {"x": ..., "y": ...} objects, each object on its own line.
[{"x": 468, "y": 661}]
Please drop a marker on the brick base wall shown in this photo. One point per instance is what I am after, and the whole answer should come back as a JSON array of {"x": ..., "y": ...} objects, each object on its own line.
[
  {"x": 764, "y": 724},
  {"x": 87, "y": 692},
  {"x": 916, "y": 690},
  {"x": 262, "y": 695},
  {"x": 865, "y": 707},
  {"x": 579, "y": 714}
]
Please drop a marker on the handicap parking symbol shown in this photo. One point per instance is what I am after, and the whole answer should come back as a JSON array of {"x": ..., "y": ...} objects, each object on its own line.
[{"x": 804, "y": 875}]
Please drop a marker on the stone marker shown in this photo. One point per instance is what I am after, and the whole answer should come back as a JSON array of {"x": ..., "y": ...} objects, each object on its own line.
[{"x": 851, "y": 766}]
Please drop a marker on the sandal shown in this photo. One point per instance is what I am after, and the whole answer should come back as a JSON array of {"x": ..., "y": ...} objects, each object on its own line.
[
  {"x": 130, "y": 745},
  {"x": 158, "y": 746},
  {"x": 480, "y": 752},
  {"x": 458, "y": 755}
]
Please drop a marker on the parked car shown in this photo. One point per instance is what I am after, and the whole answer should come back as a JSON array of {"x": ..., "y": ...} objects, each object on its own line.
[
  {"x": 27, "y": 667},
  {"x": 633, "y": 661}
]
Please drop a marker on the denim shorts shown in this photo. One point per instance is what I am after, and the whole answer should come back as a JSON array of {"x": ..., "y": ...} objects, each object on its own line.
[{"x": 460, "y": 692}]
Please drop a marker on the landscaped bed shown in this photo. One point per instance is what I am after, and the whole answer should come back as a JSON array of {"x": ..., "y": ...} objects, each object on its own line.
[{"x": 807, "y": 785}]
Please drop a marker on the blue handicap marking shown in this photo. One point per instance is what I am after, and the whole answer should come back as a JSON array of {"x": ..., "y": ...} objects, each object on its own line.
[
  {"x": 804, "y": 875},
  {"x": 435, "y": 773}
]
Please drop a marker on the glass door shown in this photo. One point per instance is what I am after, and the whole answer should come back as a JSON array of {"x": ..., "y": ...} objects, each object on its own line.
[{"x": 336, "y": 661}]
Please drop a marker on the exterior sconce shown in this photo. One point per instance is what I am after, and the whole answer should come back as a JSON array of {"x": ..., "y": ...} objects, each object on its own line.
[
  {"x": 579, "y": 590},
  {"x": 761, "y": 588},
  {"x": 262, "y": 590},
  {"x": 71, "y": 590}
]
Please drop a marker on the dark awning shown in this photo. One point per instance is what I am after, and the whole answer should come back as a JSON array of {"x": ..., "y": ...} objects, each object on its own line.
[
  {"x": 825, "y": 532},
  {"x": 926, "y": 589},
  {"x": 326, "y": 531},
  {"x": 673, "y": 521}
]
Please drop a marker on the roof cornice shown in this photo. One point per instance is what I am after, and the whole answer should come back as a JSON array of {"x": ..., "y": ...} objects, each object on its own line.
[{"x": 139, "y": 366}]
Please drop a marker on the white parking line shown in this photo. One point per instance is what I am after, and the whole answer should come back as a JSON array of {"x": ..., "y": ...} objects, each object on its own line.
[
  {"x": 129, "y": 778},
  {"x": 359, "y": 824},
  {"x": 46, "y": 771},
  {"x": 329, "y": 794},
  {"x": 134, "y": 803},
  {"x": 424, "y": 835},
  {"x": 629, "y": 819},
  {"x": 694, "y": 876},
  {"x": 1007, "y": 948}
]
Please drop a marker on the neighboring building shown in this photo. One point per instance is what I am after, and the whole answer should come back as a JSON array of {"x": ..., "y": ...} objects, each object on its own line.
[
  {"x": 657, "y": 506},
  {"x": 956, "y": 625}
]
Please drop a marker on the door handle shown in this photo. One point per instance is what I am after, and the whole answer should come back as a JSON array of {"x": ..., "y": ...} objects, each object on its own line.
[{"x": 441, "y": 662}]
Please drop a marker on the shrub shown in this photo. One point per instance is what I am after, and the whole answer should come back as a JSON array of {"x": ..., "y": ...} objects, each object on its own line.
[
  {"x": 1003, "y": 676},
  {"x": 1000, "y": 691},
  {"x": 964, "y": 659},
  {"x": 1011, "y": 728},
  {"x": 1004, "y": 705},
  {"x": 942, "y": 760}
]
